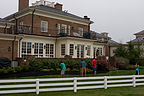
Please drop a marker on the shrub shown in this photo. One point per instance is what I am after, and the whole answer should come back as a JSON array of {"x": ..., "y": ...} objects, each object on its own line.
[
  {"x": 67, "y": 69},
  {"x": 35, "y": 65},
  {"x": 10, "y": 70},
  {"x": 3, "y": 71},
  {"x": 18, "y": 69},
  {"x": 121, "y": 62}
]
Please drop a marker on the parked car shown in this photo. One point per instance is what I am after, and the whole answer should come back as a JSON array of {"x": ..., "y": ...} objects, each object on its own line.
[{"x": 5, "y": 62}]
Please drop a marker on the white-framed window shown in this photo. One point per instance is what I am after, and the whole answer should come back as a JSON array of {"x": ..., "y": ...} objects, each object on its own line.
[
  {"x": 58, "y": 26},
  {"x": 49, "y": 50},
  {"x": 88, "y": 50},
  {"x": 80, "y": 31},
  {"x": 71, "y": 49},
  {"x": 69, "y": 29},
  {"x": 62, "y": 49},
  {"x": 100, "y": 51},
  {"x": 26, "y": 49},
  {"x": 38, "y": 49},
  {"x": 64, "y": 28},
  {"x": 44, "y": 26},
  {"x": 29, "y": 48},
  {"x": 80, "y": 51}
]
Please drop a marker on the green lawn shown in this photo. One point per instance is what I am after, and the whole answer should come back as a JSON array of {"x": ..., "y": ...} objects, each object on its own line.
[
  {"x": 111, "y": 73},
  {"x": 120, "y": 91}
]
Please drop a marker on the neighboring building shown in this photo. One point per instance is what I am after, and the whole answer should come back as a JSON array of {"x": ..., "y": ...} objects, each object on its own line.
[
  {"x": 112, "y": 47},
  {"x": 46, "y": 31}
]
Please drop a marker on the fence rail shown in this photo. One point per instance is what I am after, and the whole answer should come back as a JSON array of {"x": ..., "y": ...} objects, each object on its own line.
[{"x": 63, "y": 84}]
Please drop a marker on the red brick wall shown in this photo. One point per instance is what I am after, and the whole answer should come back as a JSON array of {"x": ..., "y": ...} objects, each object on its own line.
[
  {"x": 52, "y": 29},
  {"x": 5, "y": 45}
]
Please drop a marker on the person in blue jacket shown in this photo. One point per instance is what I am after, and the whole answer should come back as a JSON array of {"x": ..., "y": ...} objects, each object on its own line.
[{"x": 137, "y": 69}]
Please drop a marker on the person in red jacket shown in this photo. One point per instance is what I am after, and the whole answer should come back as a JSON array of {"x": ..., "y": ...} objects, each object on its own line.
[{"x": 94, "y": 63}]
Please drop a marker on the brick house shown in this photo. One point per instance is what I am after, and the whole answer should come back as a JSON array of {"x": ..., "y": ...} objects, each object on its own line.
[{"x": 46, "y": 31}]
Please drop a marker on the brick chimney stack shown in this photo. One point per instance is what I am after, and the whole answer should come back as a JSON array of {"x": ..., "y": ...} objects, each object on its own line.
[
  {"x": 23, "y": 4},
  {"x": 86, "y": 17},
  {"x": 58, "y": 6}
]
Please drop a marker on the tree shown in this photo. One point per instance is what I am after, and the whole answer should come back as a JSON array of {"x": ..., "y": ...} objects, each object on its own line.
[
  {"x": 121, "y": 51},
  {"x": 132, "y": 52}
]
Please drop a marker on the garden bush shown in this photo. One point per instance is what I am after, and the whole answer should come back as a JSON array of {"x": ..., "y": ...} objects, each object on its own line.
[
  {"x": 122, "y": 62},
  {"x": 35, "y": 65}
]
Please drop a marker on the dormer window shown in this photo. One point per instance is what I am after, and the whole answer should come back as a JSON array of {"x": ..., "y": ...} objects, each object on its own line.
[
  {"x": 80, "y": 31},
  {"x": 44, "y": 26}
]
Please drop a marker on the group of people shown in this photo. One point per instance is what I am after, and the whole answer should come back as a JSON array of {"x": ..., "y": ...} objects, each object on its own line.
[
  {"x": 83, "y": 67},
  {"x": 94, "y": 66}
]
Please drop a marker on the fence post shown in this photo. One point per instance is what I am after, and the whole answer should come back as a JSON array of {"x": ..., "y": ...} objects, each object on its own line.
[
  {"x": 134, "y": 81},
  {"x": 37, "y": 86},
  {"x": 75, "y": 84},
  {"x": 105, "y": 82}
]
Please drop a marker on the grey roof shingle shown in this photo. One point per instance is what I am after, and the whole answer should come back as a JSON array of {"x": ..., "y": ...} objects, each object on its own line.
[
  {"x": 98, "y": 35},
  {"x": 140, "y": 33},
  {"x": 139, "y": 39},
  {"x": 4, "y": 21},
  {"x": 53, "y": 10},
  {"x": 112, "y": 42}
]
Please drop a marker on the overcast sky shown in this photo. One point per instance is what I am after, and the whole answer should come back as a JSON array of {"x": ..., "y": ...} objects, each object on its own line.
[{"x": 120, "y": 18}]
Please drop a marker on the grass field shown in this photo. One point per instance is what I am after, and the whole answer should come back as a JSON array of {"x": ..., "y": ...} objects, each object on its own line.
[{"x": 121, "y": 91}]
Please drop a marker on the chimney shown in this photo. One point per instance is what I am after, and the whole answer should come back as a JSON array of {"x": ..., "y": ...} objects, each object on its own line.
[
  {"x": 86, "y": 17},
  {"x": 23, "y": 4},
  {"x": 105, "y": 34},
  {"x": 58, "y": 6}
]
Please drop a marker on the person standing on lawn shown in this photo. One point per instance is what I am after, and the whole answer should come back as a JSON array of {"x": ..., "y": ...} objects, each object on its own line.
[
  {"x": 137, "y": 69},
  {"x": 83, "y": 65},
  {"x": 94, "y": 63},
  {"x": 63, "y": 68}
]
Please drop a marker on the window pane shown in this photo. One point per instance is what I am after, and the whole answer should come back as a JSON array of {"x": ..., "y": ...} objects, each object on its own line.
[
  {"x": 44, "y": 26},
  {"x": 71, "y": 49},
  {"x": 28, "y": 47},
  {"x": 36, "y": 48},
  {"x": 40, "y": 48},
  {"x": 80, "y": 31},
  {"x": 23, "y": 47},
  {"x": 62, "y": 49},
  {"x": 88, "y": 50}
]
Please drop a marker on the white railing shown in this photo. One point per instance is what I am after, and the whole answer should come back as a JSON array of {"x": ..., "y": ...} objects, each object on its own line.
[{"x": 63, "y": 84}]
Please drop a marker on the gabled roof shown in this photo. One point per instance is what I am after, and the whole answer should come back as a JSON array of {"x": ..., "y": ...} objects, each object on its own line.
[
  {"x": 53, "y": 10},
  {"x": 50, "y": 10},
  {"x": 112, "y": 42},
  {"x": 139, "y": 39},
  {"x": 98, "y": 35},
  {"x": 140, "y": 33}
]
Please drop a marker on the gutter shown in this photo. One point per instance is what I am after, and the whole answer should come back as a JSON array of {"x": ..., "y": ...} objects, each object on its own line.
[
  {"x": 16, "y": 23},
  {"x": 32, "y": 20},
  {"x": 5, "y": 28},
  {"x": 13, "y": 47}
]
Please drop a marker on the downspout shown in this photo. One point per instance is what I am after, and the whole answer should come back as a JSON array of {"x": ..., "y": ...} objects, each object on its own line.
[
  {"x": 32, "y": 21},
  {"x": 19, "y": 45},
  {"x": 16, "y": 24},
  {"x": 5, "y": 28},
  {"x": 13, "y": 47}
]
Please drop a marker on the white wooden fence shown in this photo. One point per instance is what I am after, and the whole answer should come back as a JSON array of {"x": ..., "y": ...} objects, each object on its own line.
[{"x": 63, "y": 84}]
